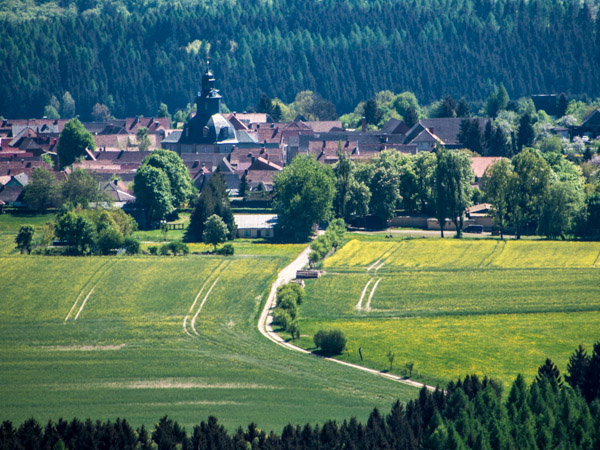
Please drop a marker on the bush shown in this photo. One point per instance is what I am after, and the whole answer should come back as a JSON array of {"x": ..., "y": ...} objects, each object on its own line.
[
  {"x": 226, "y": 250},
  {"x": 178, "y": 247},
  {"x": 164, "y": 249},
  {"x": 331, "y": 342},
  {"x": 109, "y": 239},
  {"x": 297, "y": 289},
  {"x": 289, "y": 305},
  {"x": 132, "y": 246},
  {"x": 153, "y": 249},
  {"x": 282, "y": 318},
  {"x": 293, "y": 289}
]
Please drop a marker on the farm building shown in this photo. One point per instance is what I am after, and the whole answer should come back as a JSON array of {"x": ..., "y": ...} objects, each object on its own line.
[{"x": 256, "y": 225}]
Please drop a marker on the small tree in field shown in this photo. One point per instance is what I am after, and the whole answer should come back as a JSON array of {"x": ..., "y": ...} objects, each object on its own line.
[
  {"x": 215, "y": 231},
  {"x": 24, "y": 239},
  {"x": 390, "y": 356},
  {"x": 410, "y": 366}
]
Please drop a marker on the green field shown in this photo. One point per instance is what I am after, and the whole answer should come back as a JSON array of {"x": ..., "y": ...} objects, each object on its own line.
[
  {"x": 459, "y": 306},
  {"x": 104, "y": 337}
]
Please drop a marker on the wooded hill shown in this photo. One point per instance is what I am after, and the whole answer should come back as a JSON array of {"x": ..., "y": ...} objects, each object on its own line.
[{"x": 132, "y": 55}]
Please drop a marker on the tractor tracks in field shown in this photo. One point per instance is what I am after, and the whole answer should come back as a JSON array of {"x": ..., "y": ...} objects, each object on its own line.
[
  {"x": 189, "y": 324},
  {"x": 265, "y": 321},
  {"x": 375, "y": 267},
  {"x": 94, "y": 280}
]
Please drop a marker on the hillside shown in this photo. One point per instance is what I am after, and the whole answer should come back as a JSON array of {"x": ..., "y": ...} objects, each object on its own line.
[{"x": 133, "y": 55}]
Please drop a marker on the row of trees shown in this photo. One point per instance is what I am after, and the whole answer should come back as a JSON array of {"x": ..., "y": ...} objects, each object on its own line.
[
  {"x": 45, "y": 190},
  {"x": 542, "y": 193},
  {"x": 82, "y": 231},
  {"x": 470, "y": 413},
  {"x": 533, "y": 192}
]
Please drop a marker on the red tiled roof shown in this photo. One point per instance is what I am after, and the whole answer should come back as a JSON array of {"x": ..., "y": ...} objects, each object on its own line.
[{"x": 480, "y": 163}]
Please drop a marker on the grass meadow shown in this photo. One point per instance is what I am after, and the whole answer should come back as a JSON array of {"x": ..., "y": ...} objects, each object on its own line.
[
  {"x": 458, "y": 306},
  {"x": 104, "y": 337}
]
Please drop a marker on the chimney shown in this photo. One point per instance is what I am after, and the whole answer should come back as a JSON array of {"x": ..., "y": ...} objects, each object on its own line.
[
  {"x": 363, "y": 124},
  {"x": 252, "y": 160},
  {"x": 116, "y": 181},
  {"x": 324, "y": 143}
]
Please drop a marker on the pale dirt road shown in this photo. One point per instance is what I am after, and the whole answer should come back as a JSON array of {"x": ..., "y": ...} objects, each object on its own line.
[{"x": 287, "y": 274}]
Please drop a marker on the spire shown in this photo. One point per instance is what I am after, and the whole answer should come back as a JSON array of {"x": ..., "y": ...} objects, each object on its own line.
[{"x": 208, "y": 82}]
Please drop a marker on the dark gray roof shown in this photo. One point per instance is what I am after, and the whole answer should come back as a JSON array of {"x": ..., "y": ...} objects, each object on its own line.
[
  {"x": 172, "y": 138},
  {"x": 11, "y": 194},
  {"x": 446, "y": 129}
]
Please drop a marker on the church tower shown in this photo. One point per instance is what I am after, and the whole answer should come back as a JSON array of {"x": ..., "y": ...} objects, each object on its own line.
[{"x": 208, "y": 101}]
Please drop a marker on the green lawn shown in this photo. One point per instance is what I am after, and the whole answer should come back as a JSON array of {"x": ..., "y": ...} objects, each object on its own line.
[
  {"x": 128, "y": 354},
  {"x": 455, "y": 307}
]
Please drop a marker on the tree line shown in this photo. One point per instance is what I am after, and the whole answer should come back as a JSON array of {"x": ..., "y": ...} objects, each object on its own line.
[
  {"x": 127, "y": 58},
  {"x": 533, "y": 192},
  {"x": 470, "y": 413}
]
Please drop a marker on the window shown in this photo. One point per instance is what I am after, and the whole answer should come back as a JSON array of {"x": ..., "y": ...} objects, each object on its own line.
[
  {"x": 247, "y": 233},
  {"x": 267, "y": 233}
]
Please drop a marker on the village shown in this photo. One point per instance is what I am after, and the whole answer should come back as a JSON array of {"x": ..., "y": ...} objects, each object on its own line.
[{"x": 248, "y": 149}]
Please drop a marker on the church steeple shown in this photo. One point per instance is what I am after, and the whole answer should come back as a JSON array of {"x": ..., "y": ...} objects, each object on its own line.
[
  {"x": 208, "y": 82},
  {"x": 208, "y": 101}
]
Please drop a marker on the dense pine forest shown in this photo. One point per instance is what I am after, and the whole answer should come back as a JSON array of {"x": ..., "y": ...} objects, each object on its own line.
[{"x": 133, "y": 55}]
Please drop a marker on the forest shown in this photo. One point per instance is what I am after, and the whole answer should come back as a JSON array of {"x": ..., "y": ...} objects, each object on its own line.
[
  {"x": 132, "y": 56},
  {"x": 470, "y": 413}
]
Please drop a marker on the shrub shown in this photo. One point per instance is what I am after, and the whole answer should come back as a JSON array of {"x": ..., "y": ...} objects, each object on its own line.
[
  {"x": 295, "y": 288},
  {"x": 226, "y": 250},
  {"x": 109, "y": 239},
  {"x": 282, "y": 318},
  {"x": 178, "y": 247},
  {"x": 132, "y": 245},
  {"x": 331, "y": 342},
  {"x": 289, "y": 305},
  {"x": 153, "y": 249},
  {"x": 164, "y": 249},
  {"x": 294, "y": 329}
]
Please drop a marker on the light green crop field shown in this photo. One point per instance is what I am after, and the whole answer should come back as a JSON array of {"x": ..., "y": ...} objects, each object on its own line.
[
  {"x": 454, "y": 307},
  {"x": 140, "y": 337}
]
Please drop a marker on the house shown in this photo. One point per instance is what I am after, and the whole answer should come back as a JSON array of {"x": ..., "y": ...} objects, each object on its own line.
[
  {"x": 479, "y": 164},
  {"x": 446, "y": 130},
  {"x": 590, "y": 126},
  {"x": 12, "y": 195},
  {"x": 118, "y": 192},
  {"x": 256, "y": 225},
  {"x": 546, "y": 102}
]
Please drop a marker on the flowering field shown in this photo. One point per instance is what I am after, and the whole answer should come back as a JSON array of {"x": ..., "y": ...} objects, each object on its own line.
[
  {"x": 459, "y": 306},
  {"x": 468, "y": 253}
]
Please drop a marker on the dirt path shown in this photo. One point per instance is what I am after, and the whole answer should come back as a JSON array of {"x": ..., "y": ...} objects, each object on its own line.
[{"x": 265, "y": 321}]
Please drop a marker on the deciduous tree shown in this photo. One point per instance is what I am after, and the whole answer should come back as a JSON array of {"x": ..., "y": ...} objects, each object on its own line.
[
  {"x": 73, "y": 141},
  {"x": 43, "y": 190},
  {"x": 153, "y": 192},
  {"x": 495, "y": 183},
  {"x": 215, "y": 231},
  {"x": 303, "y": 196},
  {"x": 24, "y": 238}
]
